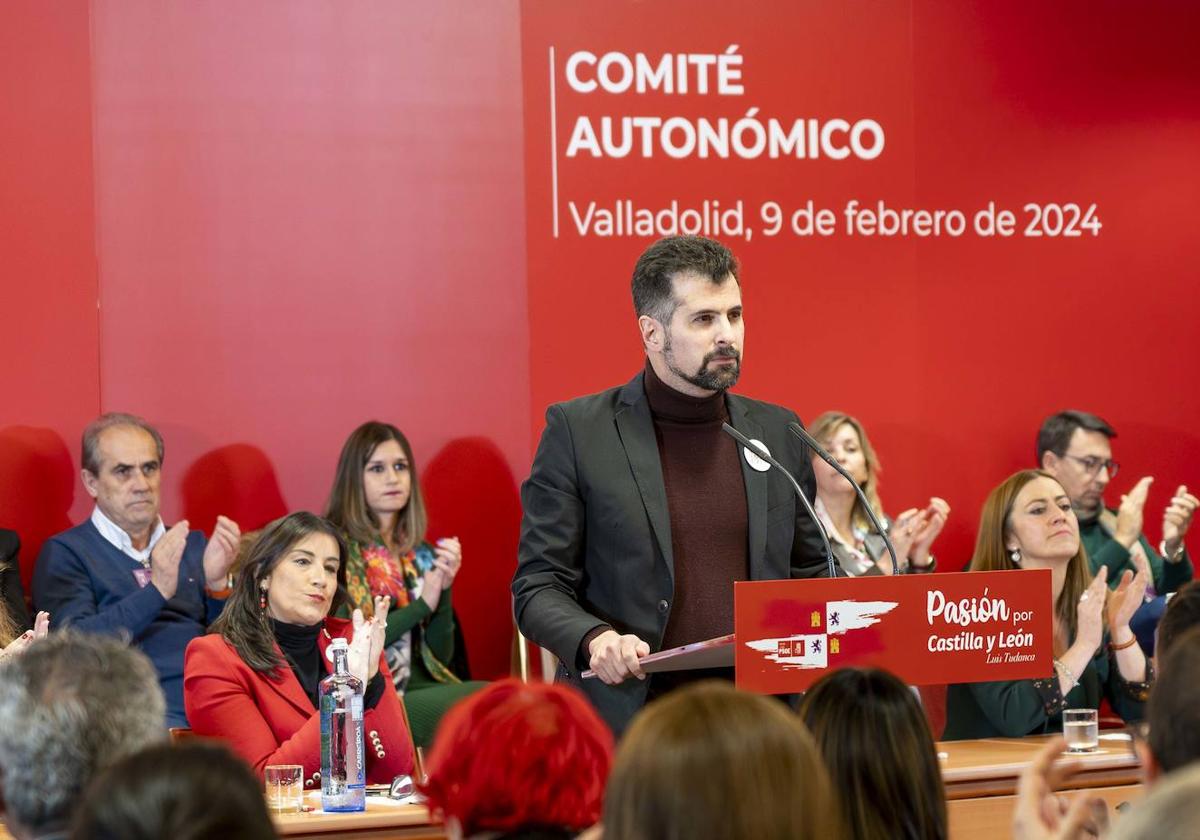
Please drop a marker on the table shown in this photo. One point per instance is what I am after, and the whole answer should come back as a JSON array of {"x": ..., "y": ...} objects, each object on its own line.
[
  {"x": 980, "y": 776},
  {"x": 410, "y": 822},
  {"x": 981, "y": 779},
  {"x": 378, "y": 821}
]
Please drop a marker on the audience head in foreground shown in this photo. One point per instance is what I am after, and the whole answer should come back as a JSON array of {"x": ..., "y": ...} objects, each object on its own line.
[
  {"x": 1171, "y": 810},
  {"x": 1182, "y": 614},
  {"x": 708, "y": 761},
  {"x": 1173, "y": 713},
  {"x": 70, "y": 705},
  {"x": 195, "y": 791},
  {"x": 877, "y": 745},
  {"x": 522, "y": 759}
]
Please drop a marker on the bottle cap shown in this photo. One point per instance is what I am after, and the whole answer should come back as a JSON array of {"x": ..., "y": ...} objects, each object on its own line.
[{"x": 336, "y": 643}]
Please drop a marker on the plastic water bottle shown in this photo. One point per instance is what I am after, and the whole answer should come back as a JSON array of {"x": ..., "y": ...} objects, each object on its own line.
[{"x": 343, "y": 776}]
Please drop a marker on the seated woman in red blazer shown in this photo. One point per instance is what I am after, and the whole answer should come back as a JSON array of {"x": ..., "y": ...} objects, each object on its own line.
[{"x": 253, "y": 680}]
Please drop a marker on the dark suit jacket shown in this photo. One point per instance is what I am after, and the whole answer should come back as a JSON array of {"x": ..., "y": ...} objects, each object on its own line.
[
  {"x": 270, "y": 721},
  {"x": 11, "y": 590},
  {"x": 596, "y": 535}
]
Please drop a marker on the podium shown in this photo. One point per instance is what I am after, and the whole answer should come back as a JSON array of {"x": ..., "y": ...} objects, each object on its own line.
[{"x": 927, "y": 629}]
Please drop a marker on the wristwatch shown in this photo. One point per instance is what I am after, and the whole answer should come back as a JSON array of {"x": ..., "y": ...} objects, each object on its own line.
[
  {"x": 1171, "y": 558},
  {"x": 223, "y": 592}
]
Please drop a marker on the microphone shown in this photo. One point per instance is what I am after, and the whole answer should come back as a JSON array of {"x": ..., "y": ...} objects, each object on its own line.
[
  {"x": 761, "y": 452},
  {"x": 802, "y": 433}
]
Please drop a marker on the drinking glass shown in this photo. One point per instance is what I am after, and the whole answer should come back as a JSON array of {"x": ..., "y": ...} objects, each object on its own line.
[
  {"x": 1081, "y": 728},
  {"x": 285, "y": 788}
]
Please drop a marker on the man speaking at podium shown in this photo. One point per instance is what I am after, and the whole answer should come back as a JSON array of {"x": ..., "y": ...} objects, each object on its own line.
[{"x": 640, "y": 512}]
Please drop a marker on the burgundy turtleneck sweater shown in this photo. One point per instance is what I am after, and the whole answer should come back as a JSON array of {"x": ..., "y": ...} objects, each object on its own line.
[{"x": 706, "y": 501}]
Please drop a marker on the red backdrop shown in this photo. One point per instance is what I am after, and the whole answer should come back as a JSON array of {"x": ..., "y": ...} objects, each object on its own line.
[
  {"x": 259, "y": 225},
  {"x": 951, "y": 350},
  {"x": 306, "y": 217},
  {"x": 49, "y": 349}
]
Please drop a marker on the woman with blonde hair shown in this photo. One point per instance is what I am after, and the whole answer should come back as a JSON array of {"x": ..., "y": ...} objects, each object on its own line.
[
  {"x": 1028, "y": 523},
  {"x": 858, "y": 547},
  {"x": 709, "y": 761}
]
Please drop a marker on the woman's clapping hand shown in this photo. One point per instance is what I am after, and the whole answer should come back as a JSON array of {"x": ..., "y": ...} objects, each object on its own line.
[{"x": 366, "y": 646}]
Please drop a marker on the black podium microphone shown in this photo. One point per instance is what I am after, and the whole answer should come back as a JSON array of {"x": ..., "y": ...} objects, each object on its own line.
[
  {"x": 761, "y": 451},
  {"x": 802, "y": 433}
]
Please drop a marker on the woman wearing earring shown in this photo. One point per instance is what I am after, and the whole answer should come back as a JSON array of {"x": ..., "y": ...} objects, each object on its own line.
[
  {"x": 253, "y": 680},
  {"x": 857, "y": 546},
  {"x": 1028, "y": 523},
  {"x": 376, "y": 502}
]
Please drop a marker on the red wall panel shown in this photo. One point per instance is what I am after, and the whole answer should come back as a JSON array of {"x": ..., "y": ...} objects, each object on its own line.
[
  {"x": 48, "y": 344},
  {"x": 1058, "y": 102},
  {"x": 307, "y": 220}
]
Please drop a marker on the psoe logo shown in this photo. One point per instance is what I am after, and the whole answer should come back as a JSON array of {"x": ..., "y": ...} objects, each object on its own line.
[{"x": 813, "y": 649}]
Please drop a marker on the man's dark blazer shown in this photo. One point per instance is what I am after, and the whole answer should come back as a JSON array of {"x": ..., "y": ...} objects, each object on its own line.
[
  {"x": 11, "y": 590},
  {"x": 596, "y": 535}
]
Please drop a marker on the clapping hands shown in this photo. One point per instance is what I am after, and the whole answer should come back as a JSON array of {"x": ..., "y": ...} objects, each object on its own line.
[
  {"x": 1177, "y": 518},
  {"x": 221, "y": 551},
  {"x": 366, "y": 646},
  {"x": 41, "y": 626},
  {"x": 447, "y": 562},
  {"x": 1090, "y": 610},
  {"x": 914, "y": 531},
  {"x": 1041, "y": 814},
  {"x": 1130, "y": 594}
]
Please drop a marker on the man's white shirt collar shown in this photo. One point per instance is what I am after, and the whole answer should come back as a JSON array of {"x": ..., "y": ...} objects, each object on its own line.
[{"x": 116, "y": 535}]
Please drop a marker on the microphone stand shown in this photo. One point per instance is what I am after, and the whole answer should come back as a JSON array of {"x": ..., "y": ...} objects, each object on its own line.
[
  {"x": 761, "y": 452},
  {"x": 802, "y": 433}
]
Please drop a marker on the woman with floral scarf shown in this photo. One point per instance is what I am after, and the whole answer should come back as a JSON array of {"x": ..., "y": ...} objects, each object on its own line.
[{"x": 376, "y": 501}]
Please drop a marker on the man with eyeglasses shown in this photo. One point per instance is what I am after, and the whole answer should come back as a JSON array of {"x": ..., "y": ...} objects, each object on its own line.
[{"x": 1073, "y": 446}]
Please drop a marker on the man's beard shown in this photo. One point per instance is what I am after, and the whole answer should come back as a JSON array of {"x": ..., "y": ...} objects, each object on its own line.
[{"x": 710, "y": 379}]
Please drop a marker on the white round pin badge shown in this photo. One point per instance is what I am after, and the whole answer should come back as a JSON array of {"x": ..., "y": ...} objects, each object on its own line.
[{"x": 755, "y": 461}]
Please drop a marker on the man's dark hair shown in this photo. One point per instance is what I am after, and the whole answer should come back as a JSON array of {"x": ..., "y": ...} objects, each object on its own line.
[
  {"x": 671, "y": 256},
  {"x": 194, "y": 791},
  {"x": 243, "y": 622},
  {"x": 1174, "y": 708},
  {"x": 1183, "y": 613},
  {"x": 1056, "y": 431}
]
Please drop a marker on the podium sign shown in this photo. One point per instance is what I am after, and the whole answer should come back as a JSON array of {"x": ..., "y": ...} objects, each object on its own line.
[{"x": 926, "y": 629}]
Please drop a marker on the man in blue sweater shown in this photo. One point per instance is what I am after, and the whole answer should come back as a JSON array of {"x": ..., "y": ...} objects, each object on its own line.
[{"x": 123, "y": 571}]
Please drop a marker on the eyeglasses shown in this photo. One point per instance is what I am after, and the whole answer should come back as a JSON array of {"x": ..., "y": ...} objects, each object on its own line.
[{"x": 1092, "y": 465}]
